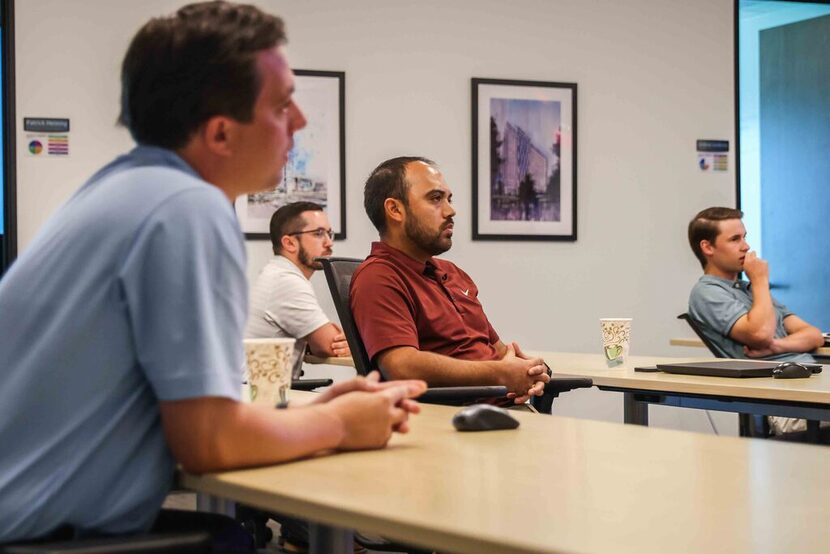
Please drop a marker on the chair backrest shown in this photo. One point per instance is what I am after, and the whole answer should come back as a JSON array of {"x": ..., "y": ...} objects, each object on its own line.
[
  {"x": 713, "y": 348},
  {"x": 338, "y": 272}
]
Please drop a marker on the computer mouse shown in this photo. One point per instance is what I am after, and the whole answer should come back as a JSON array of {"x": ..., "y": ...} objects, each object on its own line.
[
  {"x": 791, "y": 370},
  {"x": 483, "y": 417}
]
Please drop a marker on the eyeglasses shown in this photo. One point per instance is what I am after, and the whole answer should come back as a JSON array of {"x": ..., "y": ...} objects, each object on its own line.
[{"x": 318, "y": 233}]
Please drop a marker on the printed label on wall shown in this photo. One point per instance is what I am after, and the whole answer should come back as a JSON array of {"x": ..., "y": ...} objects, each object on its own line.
[
  {"x": 47, "y": 144},
  {"x": 46, "y": 124},
  {"x": 712, "y": 155}
]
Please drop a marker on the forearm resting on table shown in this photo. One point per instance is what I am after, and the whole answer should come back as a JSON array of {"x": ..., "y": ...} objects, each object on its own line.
[
  {"x": 213, "y": 434},
  {"x": 805, "y": 339},
  {"x": 406, "y": 362}
]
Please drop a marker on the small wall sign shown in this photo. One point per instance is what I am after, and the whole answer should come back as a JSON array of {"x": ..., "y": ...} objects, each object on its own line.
[
  {"x": 712, "y": 155},
  {"x": 47, "y": 136}
]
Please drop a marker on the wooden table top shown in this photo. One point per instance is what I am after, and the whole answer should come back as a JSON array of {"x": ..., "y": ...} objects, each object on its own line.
[
  {"x": 815, "y": 389},
  {"x": 557, "y": 485},
  {"x": 346, "y": 361},
  {"x": 697, "y": 343}
]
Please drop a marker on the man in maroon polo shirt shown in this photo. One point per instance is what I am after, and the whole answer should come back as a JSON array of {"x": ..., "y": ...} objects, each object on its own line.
[{"x": 419, "y": 316}]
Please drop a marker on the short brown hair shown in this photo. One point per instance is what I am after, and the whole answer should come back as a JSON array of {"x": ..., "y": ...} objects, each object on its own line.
[
  {"x": 388, "y": 180},
  {"x": 288, "y": 219},
  {"x": 706, "y": 226},
  {"x": 183, "y": 69}
]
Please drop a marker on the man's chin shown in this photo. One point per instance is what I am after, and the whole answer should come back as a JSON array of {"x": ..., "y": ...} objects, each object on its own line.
[{"x": 440, "y": 246}]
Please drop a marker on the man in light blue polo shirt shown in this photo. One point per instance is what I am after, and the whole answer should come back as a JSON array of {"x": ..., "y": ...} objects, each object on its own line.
[
  {"x": 121, "y": 324},
  {"x": 742, "y": 318}
]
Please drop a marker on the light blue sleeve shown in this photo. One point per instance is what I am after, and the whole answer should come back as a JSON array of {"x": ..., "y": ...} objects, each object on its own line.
[
  {"x": 184, "y": 286},
  {"x": 781, "y": 309},
  {"x": 715, "y": 307}
]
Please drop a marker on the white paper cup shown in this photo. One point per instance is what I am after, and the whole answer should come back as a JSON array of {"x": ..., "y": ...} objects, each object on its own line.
[
  {"x": 268, "y": 369},
  {"x": 616, "y": 339}
]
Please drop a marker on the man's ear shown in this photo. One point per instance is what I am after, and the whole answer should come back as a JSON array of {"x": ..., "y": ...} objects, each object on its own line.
[
  {"x": 394, "y": 209},
  {"x": 289, "y": 243},
  {"x": 707, "y": 248},
  {"x": 217, "y": 134}
]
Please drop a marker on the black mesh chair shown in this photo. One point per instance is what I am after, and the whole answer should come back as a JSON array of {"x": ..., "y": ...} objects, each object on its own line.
[
  {"x": 752, "y": 425},
  {"x": 339, "y": 273},
  {"x": 716, "y": 351}
]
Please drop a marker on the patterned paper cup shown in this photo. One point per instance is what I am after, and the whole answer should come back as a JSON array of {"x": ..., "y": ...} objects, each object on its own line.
[
  {"x": 269, "y": 369},
  {"x": 616, "y": 339}
]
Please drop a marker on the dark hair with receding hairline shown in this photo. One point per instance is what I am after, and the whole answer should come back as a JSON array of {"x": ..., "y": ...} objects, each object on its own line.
[
  {"x": 289, "y": 219},
  {"x": 183, "y": 69},
  {"x": 388, "y": 180},
  {"x": 706, "y": 226}
]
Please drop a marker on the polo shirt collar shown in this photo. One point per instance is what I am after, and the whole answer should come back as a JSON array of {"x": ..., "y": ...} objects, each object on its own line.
[
  {"x": 153, "y": 155},
  {"x": 726, "y": 283},
  {"x": 382, "y": 250},
  {"x": 287, "y": 264}
]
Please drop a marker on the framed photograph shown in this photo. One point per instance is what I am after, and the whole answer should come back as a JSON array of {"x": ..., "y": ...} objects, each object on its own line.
[
  {"x": 316, "y": 168},
  {"x": 524, "y": 160}
]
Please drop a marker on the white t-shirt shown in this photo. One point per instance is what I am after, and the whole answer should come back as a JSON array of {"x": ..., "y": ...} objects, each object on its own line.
[{"x": 283, "y": 304}]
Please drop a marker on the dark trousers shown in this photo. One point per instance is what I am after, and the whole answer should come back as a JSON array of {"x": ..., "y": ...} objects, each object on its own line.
[
  {"x": 226, "y": 534},
  {"x": 291, "y": 529}
]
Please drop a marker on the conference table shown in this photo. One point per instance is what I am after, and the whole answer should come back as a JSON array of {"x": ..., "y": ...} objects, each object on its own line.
[
  {"x": 801, "y": 398},
  {"x": 555, "y": 484}
]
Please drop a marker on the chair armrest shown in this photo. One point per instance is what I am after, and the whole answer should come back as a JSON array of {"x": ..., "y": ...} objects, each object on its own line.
[
  {"x": 563, "y": 384},
  {"x": 554, "y": 387},
  {"x": 310, "y": 384},
  {"x": 186, "y": 543},
  {"x": 458, "y": 395}
]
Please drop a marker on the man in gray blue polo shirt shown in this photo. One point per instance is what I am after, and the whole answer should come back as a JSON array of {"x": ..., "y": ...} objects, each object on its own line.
[
  {"x": 121, "y": 324},
  {"x": 742, "y": 318}
]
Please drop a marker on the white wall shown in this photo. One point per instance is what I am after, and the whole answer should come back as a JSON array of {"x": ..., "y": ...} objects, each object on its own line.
[{"x": 653, "y": 76}]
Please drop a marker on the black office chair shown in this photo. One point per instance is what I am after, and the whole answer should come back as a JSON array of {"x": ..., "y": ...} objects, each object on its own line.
[
  {"x": 339, "y": 273},
  {"x": 752, "y": 425},
  {"x": 161, "y": 543}
]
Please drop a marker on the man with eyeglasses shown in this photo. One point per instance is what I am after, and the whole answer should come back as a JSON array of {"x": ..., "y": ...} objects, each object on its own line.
[{"x": 283, "y": 303}]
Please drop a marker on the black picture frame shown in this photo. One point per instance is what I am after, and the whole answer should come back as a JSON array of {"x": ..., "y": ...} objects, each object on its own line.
[
  {"x": 524, "y": 127},
  {"x": 316, "y": 168}
]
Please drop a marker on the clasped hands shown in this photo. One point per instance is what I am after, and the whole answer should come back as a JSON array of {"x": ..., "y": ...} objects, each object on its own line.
[
  {"x": 526, "y": 376},
  {"x": 370, "y": 411}
]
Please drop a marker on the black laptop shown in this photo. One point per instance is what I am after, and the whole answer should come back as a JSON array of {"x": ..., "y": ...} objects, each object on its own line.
[{"x": 728, "y": 368}]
